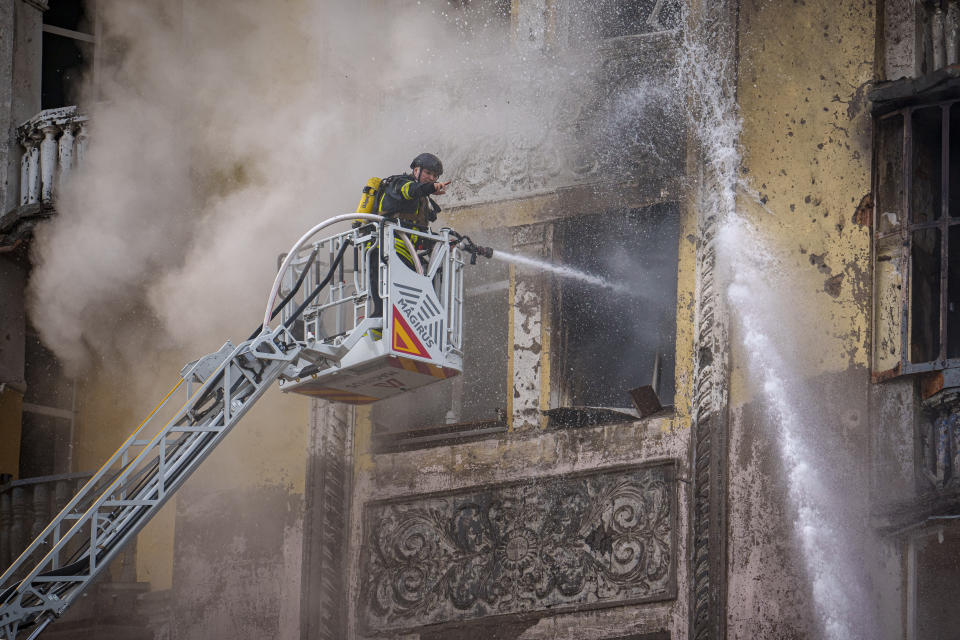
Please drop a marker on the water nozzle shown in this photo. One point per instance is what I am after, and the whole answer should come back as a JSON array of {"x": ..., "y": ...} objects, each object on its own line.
[{"x": 473, "y": 249}]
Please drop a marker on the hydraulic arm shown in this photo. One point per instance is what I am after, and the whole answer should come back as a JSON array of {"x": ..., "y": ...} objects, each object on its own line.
[
  {"x": 324, "y": 344},
  {"x": 132, "y": 486}
]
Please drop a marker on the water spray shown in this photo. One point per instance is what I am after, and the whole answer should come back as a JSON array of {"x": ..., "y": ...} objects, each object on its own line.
[{"x": 467, "y": 245}]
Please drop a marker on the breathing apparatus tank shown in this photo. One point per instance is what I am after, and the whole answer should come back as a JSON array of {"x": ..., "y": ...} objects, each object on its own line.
[{"x": 368, "y": 201}]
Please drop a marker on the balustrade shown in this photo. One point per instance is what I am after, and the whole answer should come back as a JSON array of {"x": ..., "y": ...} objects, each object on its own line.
[
  {"x": 27, "y": 506},
  {"x": 54, "y": 141},
  {"x": 941, "y": 34}
]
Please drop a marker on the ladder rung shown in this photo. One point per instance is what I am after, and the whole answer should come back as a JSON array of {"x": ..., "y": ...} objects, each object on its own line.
[
  {"x": 128, "y": 503},
  {"x": 80, "y": 578}
]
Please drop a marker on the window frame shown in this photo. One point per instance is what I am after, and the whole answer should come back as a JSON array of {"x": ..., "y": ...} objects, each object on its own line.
[
  {"x": 905, "y": 233},
  {"x": 562, "y": 369},
  {"x": 94, "y": 38}
]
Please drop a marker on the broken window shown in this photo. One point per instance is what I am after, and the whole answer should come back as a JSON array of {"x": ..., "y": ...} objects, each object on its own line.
[
  {"x": 917, "y": 239},
  {"x": 619, "y": 337},
  {"x": 48, "y": 412},
  {"x": 68, "y": 51},
  {"x": 473, "y": 403}
]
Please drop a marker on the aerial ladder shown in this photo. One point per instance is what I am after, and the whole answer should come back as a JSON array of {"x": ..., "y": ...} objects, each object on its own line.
[{"x": 317, "y": 338}]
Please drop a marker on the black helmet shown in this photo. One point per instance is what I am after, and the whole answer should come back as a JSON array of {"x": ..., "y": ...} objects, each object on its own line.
[{"x": 429, "y": 162}]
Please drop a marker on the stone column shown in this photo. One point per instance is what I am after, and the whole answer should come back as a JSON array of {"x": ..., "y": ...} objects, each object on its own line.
[
  {"x": 48, "y": 161},
  {"x": 62, "y": 494},
  {"x": 528, "y": 327},
  {"x": 329, "y": 470},
  {"x": 952, "y": 32},
  {"x": 712, "y": 23},
  {"x": 6, "y": 517},
  {"x": 41, "y": 508},
  {"x": 937, "y": 39},
  {"x": 33, "y": 169},
  {"x": 80, "y": 147},
  {"x": 18, "y": 528},
  {"x": 28, "y": 144},
  {"x": 65, "y": 152}
]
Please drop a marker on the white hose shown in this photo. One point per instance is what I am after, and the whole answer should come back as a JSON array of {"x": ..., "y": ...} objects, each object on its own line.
[
  {"x": 296, "y": 247},
  {"x": 412, "y": 250}
]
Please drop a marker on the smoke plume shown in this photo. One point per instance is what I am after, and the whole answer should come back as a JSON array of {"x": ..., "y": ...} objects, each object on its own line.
[{"x": 219, "y": 131}]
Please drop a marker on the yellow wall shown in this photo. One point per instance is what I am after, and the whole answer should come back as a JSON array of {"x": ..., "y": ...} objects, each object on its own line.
[
  {"x": 803, "y": 70},
  {"x": 110, "y": 407},
  {"x": 686, "y": 310},
  {"x": 266, "y": 448}
]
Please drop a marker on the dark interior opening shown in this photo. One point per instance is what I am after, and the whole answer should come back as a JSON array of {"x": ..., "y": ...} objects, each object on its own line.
[
  {"x": 938, "y": 574},
  {"x": 927, "y": 145},
  {"x": 64, "y": 62},
  {"x": 615, "y": 18},
  {"x": 925, "y": 295},
  {"x": 67, "y": 14},
  {"x": 616, "y": 339}
]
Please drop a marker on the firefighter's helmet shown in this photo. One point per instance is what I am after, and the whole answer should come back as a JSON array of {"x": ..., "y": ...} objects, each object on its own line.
[{"x": 429, "y": 162}]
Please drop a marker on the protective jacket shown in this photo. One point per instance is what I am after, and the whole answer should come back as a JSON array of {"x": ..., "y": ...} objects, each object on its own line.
[{"x": 408, "y": 200}]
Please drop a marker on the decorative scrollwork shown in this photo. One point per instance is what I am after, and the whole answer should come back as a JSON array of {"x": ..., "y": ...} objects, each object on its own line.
[{"x": 589, "y": 540}]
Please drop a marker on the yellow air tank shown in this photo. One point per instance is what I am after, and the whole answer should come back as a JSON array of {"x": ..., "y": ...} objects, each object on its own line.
[{"x": 368, "y": 202}]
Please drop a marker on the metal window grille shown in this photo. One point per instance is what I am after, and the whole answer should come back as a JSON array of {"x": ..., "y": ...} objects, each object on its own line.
[{"x": 917, "y": 236}]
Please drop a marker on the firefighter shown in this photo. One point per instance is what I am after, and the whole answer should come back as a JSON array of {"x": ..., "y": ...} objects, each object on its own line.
[{"x": 406, "y": 197}]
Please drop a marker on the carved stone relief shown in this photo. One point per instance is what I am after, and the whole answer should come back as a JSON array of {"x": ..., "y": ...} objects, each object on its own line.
[{"x": 546, "y": 545}]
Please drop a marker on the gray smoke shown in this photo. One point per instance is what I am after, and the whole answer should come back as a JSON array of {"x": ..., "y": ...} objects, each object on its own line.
[{"x": 221, "y": 130}]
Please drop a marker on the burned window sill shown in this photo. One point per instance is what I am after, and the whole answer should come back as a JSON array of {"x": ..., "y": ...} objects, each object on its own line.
[
  {"x": 933, "y": 377},
  {"x": 940, "y": 388},
  {"x": 559, "y": 419},
  {"x": 441, "y": 436},
  {"x": 926, "y": 509},
  {"x": 942, "y": 84},
  {"x": 563, "y": 418}
]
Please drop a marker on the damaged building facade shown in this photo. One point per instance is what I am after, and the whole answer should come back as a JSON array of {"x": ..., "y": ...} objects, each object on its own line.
[{"x": 618, "y": 460}]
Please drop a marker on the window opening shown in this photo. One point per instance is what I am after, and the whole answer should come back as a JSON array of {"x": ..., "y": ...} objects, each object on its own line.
[
  {"x": 68, "y": 51},
  {"x": 613, "y": 340},
  {"x": 925, "y": 194},
  {"x": 475, "y": 401},
  {"x": 917, "y": 239},
  {"x": 925, "y": 295},
  {"x": 48, "y": 413}
]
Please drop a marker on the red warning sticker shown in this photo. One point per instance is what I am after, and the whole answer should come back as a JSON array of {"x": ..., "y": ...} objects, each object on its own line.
[{"x": 404, "y": 339}]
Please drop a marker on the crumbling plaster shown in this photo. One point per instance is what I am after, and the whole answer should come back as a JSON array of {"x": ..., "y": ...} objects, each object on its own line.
[
  {"x": 806, "y": 153},
  {"x": 806, "y": 158},
  {"x": 529, "y": 330}
]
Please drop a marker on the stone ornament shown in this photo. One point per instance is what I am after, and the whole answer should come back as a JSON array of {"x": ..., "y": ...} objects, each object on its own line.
[{"x": 545, "y": 545}]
